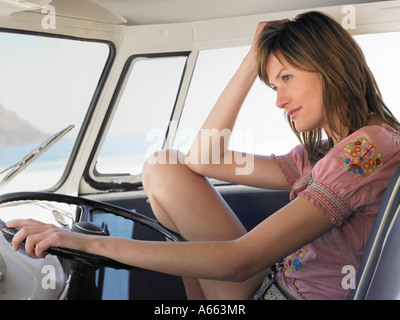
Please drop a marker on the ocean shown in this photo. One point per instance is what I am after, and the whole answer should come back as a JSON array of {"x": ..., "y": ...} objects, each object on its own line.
[
  {"x": 44, "y": 172},
  {"x": 118, "y": 155}
]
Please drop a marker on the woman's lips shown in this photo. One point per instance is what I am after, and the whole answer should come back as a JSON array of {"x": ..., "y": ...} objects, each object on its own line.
[{"x": 293, "y": 112}]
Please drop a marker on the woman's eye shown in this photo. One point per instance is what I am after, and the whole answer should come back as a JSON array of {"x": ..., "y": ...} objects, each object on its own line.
[
  {"x": 285, "y": 79},
  {"x": 273, "y": 87}
]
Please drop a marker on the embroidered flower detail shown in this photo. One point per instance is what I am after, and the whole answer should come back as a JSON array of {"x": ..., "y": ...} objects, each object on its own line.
[
  {"x": 293, "y": 262},
  {"x": 362, "y": 157}
]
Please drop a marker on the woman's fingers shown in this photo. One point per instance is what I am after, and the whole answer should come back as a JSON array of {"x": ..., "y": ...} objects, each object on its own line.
[
  {"x": 23, "y": 223},
  {"x": 260, "y": 28},
  {"x": 34, "y": 237},
  {"x": 37, "y": 236}
]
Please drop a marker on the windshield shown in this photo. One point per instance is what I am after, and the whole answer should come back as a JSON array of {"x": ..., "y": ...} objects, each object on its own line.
[{"x": 46, "y": 84}]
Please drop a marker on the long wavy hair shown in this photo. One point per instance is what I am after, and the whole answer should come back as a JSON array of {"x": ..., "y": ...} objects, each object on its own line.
[{"x": 315, "y": 42}]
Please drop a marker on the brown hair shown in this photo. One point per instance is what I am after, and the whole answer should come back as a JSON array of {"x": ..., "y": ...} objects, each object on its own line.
[{"x": 315, "y": 42}]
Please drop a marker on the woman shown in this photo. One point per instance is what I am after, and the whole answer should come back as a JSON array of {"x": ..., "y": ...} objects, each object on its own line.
[{"x": 322, "y": 83}]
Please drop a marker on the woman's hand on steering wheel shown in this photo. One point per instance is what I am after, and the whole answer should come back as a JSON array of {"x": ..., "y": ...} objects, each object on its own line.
[{"x": 39, "y": 237}]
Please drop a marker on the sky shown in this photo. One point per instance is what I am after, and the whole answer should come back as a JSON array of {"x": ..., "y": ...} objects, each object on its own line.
[{"x": 49, "y": 82}]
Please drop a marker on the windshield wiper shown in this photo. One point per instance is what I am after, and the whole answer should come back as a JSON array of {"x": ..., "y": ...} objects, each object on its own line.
[{"x": 16, "y": 168}]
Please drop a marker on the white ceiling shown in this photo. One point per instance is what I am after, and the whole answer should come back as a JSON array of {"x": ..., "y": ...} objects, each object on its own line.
[
  {"x": 144, "y": 12},
  {"x": 167, "y": 11}
]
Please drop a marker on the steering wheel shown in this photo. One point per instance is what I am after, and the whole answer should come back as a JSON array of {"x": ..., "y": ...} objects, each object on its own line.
[{"x": 87, "y": 205}]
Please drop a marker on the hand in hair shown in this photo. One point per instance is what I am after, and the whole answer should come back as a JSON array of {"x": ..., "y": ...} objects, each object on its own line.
[{"x": 260, "y": 28}]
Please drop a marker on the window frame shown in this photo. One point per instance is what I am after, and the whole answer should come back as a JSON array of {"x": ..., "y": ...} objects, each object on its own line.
[
  {"x": 95, "y": 97},
  {"x": 127, "y": 182}
]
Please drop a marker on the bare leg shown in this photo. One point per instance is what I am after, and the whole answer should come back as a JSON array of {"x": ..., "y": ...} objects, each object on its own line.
[{"x": 187, "y": 203}]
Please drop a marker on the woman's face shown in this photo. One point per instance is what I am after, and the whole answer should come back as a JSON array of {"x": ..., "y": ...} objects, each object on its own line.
[{"x": 299, "y": 93}]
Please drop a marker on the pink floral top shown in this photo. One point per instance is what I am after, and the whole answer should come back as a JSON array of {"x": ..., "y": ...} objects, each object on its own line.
[{"x": 347, "y": 185}]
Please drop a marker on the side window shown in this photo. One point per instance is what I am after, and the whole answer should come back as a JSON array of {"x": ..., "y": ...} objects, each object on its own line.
[
  {"x": 260, "y": 128},
  {"x": 382, "y": 53},
  {"x": 141, "y": 120}
]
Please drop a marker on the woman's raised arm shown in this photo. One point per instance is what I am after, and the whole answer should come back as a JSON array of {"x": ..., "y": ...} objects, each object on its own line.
[{"x": 209, "y": 154}]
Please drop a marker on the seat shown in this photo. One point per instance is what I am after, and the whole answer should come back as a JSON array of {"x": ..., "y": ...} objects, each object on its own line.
[{"x": 378, "y": 275}]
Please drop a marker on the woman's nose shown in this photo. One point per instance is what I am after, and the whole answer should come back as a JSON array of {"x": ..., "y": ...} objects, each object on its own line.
[{"x": 281, "y": 98}]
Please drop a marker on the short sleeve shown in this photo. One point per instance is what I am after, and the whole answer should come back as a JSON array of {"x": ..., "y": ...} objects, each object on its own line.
[
  {"x": 353, "y": 176},
  {"x": 293, "y": 164}
]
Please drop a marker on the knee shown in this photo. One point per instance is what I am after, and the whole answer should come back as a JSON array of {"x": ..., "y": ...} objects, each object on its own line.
[{"x": 161, "y": 166}]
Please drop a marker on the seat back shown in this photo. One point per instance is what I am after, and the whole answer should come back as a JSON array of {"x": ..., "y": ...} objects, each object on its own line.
[{"x": 374, "y": 277}]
